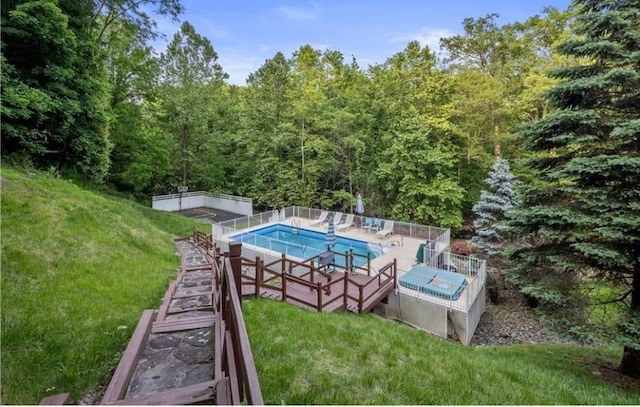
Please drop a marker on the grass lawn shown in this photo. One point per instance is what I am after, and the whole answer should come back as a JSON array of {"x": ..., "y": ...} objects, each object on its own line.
[
  {"x": 304, "y": 357},
  {"x": 78, "y": 269}
]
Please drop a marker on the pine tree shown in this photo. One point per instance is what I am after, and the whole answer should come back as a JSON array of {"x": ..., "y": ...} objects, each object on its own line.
[
  {"x": 584, "y": 211},
  {"x": 493, "y": 207}
]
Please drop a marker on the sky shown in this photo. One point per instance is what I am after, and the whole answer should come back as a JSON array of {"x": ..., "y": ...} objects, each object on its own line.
[{"x": 245, "y": 33}]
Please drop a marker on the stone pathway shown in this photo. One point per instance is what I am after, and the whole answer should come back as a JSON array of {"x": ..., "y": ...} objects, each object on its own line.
[{"x": 176, "y": 359}]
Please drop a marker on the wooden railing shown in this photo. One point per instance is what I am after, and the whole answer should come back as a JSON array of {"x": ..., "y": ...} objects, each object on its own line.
[
  {"x": 268, "y": 280},
  {"x": 385, "y": 276},
  {"x": 233, "y": 357}
]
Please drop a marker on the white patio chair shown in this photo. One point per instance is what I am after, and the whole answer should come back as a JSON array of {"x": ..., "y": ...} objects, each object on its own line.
[
  {"x": 319, "y": 220},
  {"x": 346, "y": 224},
  {"x": 386, "y": 230}
]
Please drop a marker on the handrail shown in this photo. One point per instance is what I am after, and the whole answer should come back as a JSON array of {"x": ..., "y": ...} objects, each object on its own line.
[{"x": 246, "y": 374}]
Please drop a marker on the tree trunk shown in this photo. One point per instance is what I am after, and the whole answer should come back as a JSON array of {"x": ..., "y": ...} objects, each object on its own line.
[{"x": 630, "y": 364}]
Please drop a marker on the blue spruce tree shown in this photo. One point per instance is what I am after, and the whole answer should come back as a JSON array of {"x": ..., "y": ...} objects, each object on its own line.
[{"x": 493, "y": 206}]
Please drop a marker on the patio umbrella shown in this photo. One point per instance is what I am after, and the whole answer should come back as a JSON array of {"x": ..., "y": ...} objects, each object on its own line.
[
  {"x": 359, "y": 205},
  {"x": 331, "y": 234}
]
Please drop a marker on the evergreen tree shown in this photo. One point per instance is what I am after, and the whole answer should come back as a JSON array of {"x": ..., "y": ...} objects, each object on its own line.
[
  {"x": 493, "y": 207},
  {"x": 584, "y": 211}
]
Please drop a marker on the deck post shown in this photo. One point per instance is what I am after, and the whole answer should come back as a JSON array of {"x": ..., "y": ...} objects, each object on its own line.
[
  {"x": 313, "y": 269},
  {"x": 319, "y": 306},
  {"x": 258, "y": 276},
  {"x": 360, "y": 301},
  {"x": 346, "y": 290},
  {"x": 235, "y": 258},
  {"x": 395, "y": 273},
  {"x": 368, "y": 264},
  {"x": 283, "y": 267},
  {"x": 283, "y": 277}
]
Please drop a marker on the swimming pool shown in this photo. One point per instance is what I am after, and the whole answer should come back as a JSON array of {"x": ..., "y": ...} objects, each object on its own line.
[{"x": 304, "y": 243}]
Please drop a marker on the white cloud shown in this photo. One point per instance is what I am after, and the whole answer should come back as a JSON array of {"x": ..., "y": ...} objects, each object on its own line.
[
  {"x": 298, "y": 13},
  {"x": 425, "y": 36}
]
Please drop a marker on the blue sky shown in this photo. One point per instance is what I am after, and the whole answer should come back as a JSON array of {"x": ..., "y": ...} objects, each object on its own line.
[{"x": 245, "y": 33}]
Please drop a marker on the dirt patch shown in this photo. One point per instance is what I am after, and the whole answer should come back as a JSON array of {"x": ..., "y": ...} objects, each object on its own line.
[{"x": 611, "y": 375}]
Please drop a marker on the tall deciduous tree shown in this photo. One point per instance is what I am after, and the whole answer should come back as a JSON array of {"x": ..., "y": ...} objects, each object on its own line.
[
  {"x": 585, "y": 210},
  {"x": 56, "y": 97},
  {"x": 416, "y": 169},
  {"x": 191, "y": 77}
]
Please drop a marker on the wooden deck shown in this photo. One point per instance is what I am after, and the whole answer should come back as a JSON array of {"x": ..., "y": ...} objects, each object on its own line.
[{"x": 340, "y": 290}]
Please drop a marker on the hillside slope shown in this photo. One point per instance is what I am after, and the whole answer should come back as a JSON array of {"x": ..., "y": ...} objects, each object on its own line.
[{"x": 78, "y": 269}]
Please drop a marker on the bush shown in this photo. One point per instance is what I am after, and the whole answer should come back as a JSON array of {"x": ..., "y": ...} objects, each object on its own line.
[{"x": 461, "y": 248}]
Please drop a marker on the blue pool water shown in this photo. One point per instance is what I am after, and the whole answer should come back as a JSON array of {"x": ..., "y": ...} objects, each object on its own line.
[{"x": 304, "y": 243}]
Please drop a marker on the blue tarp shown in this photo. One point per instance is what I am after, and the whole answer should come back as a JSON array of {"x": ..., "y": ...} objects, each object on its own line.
[{"x": 440, "y": 283}]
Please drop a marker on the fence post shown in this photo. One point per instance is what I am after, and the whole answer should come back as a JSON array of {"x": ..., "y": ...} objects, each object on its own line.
[
  {"x": 319, "y": 306},
  {"x": 395, "y": 273},
  {"x": 283, "y": 277},
  {"x": 346, "y": 290},
  {"x": 235, "y": 258},
  {"x": 258, "y": 276}
]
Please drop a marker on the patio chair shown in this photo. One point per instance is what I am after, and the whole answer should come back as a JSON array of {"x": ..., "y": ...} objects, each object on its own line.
[
  {"x": 376, "y": 224},
  {"x": 336, "y": 218},
  {"x": 387, "y": 230},
  {"x": 367, "y": 223},
  {"x": 320, "y": 219},
  {"x": 346, "y": 224}
]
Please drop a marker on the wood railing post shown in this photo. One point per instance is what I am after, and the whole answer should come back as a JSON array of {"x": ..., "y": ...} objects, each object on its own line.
[
  {"x": 319, "y": 306},
  {"x": 313, "y": 269},
  {"x": 368, "y": 264},
  {"x": 258, "y": 276},
  {"x": 346, "y": 290},
  {"x": 283, "y": 277},
  {"x": 284, "y": 263},
  {"x": 235, "y": 258},
  {"x": 360, "y": 301}
]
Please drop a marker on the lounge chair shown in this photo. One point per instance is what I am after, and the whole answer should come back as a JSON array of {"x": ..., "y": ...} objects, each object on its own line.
[
  {"x": 346, "y": 224},
  {"x": 337, "y": 218},
  {"x": 386, "y": 230},
  {"x": 320, "y": 219}
]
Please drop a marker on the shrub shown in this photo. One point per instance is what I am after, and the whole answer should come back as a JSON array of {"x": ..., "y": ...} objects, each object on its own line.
[{"x": 461, "y": 248}]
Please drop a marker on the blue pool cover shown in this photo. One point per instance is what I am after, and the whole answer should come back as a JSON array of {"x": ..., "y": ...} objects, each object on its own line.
[{"x": 440, "y": 283}]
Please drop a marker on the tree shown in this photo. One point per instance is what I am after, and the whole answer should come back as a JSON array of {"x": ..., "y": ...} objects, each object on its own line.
[
  {"x": 416, "y": 151},
  {"x": 191, "y": 78},
  {"x": 493, "y": 207},
  {"x": 584, "y": 212},
  {"x": 55, "y": 89}
]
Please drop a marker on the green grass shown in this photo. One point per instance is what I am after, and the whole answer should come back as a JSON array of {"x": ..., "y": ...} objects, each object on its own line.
[
  {"x": 78, "y": 269},
  {"x": 309, "y": 358}
]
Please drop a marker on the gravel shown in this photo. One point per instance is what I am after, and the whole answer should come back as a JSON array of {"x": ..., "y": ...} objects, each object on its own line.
[{"x": 511, "y": 322}]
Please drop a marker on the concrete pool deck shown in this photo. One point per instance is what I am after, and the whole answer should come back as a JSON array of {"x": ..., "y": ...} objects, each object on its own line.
[{"x": 400, "y": 247}]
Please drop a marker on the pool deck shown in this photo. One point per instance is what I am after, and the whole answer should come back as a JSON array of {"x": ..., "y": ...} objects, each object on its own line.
[{"x": 400, "y": 247}]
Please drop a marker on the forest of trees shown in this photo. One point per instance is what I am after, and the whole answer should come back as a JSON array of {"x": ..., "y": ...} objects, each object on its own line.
[{"x": 86, "y": 96}]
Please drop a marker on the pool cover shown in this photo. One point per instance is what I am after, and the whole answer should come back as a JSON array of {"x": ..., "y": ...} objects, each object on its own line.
[{"x": 440, "y": 283}]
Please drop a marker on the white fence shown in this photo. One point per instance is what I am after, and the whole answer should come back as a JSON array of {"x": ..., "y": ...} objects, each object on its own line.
[
  {"x": 440, "y": 316},
  {"x": 189, "y": 200}
]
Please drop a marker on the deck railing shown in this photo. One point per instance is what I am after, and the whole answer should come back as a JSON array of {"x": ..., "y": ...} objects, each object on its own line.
[
  {"x": 276, "y": 278},
  {"x": 234, "y": 355}
]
